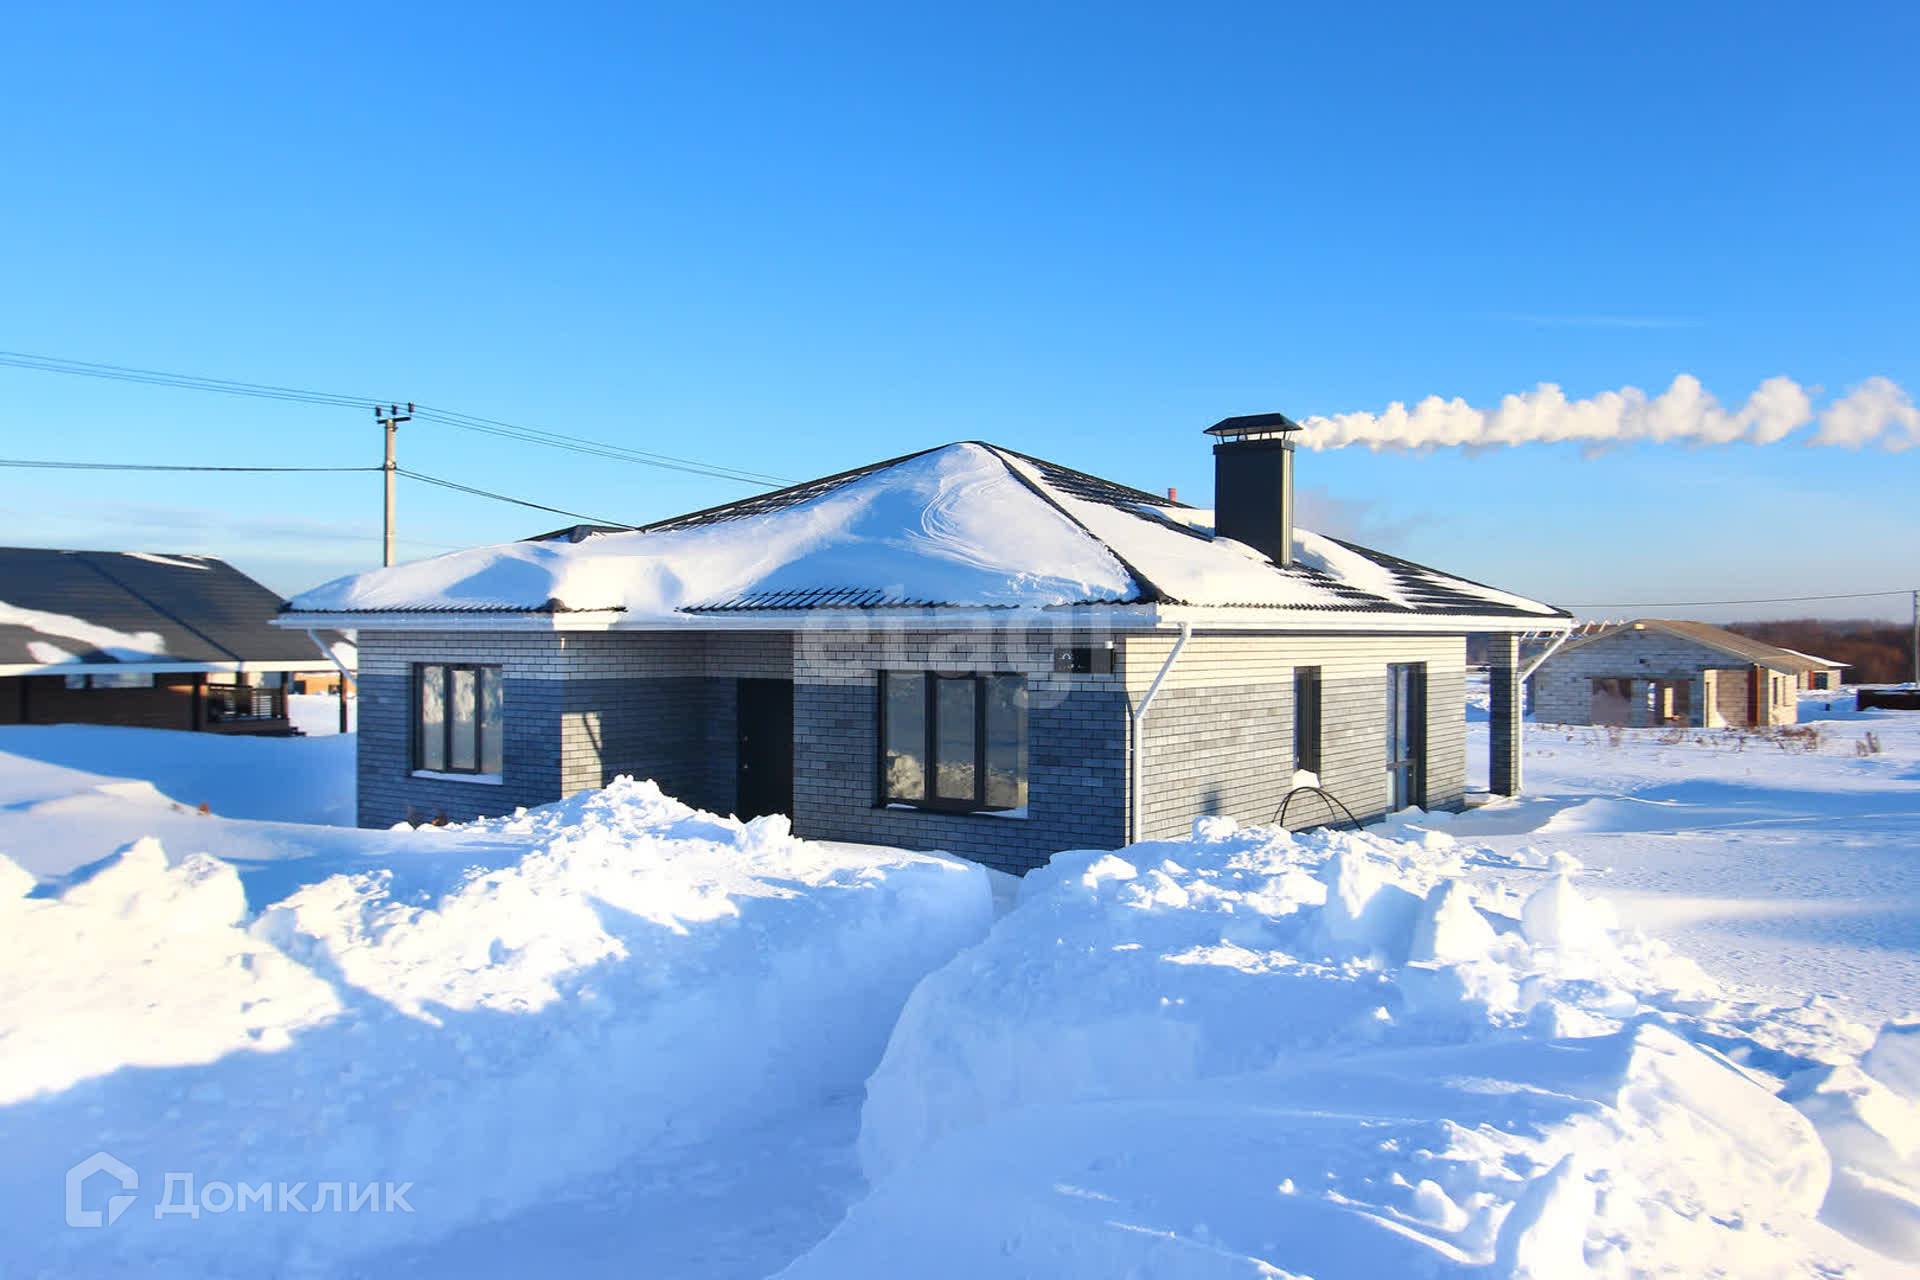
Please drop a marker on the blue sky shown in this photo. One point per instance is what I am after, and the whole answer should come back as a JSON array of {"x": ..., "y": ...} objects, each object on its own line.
[{"x": 799, "y": 238}]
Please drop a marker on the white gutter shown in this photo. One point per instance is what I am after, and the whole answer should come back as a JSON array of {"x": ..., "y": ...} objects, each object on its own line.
[
  {"x": 1550, "y": 651},
  {"x": 1138, "y": 715},
  {"x": 1114, "y": 617},
  {"x": 346, "y": 675},
  {"x": 161, "y": 667}
]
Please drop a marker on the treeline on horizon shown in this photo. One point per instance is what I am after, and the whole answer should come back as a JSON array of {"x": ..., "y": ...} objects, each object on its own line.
[{"x": 1877, "y": 652}]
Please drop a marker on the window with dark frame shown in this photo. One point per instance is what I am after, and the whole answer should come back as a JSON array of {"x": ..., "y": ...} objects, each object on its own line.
[
  {"x": 457, "y": 721},
  {"x": 954, "y": 742},
  {"x": 1306, "y": 719}
]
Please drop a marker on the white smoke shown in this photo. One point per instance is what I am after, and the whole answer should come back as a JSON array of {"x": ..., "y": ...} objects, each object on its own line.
[{"x": 1877, "y": 411}]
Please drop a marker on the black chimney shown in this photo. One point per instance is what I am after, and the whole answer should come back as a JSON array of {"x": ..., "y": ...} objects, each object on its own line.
[{"x": 1253, "y": 483}]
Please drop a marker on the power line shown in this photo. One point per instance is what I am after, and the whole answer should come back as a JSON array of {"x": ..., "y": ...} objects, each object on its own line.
[
  {"x": 444, "y": 417},
  {"x": 155, "y": 466},
  {"x": 501, "y": 497},
  {"x": 411, "y": 475},
  {"x": 1701, "y": 604}
]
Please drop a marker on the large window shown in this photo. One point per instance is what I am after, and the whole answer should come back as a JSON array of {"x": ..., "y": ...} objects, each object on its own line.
[
  {"x": 1306, "y": 719},
  {"x": 1406, "y": 735},
  {"x": 956, "y": 742},
  {"x": 456, "y": 719}
]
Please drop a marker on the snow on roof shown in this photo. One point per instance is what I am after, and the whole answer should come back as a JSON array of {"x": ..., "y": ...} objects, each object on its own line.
[
  {"x": 1810, "y": 657},
  {"x": 117, "y": 646},
  {"x": 80, "y": 609},
  {"x": 966, "y": 525}
]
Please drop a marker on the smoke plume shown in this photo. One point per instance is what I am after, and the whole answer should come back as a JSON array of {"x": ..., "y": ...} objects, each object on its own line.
[{"x": 1878, "y": 411}]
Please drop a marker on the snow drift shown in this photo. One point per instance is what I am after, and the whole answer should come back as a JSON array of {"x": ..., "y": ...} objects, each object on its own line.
[
  {"x": 517, "y": 1003},
  {"x": 1338, "y": 1054}
]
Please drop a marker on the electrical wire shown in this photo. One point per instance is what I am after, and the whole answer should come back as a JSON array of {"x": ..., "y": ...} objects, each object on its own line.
[
  {"x": 42, "y": 464},
  {"x": 1702, "y": 604},
  {"x": 428, "y": 413},
  {"x": 501, "y": 497}
]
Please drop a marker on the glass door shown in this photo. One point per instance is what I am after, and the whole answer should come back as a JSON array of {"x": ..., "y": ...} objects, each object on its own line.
[{"x": 1406, "y": 735}]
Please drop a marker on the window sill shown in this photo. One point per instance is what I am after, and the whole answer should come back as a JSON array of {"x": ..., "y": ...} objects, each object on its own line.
[
  {"x": 484, "y": 779},
  {"x": 1017, "y": 815}
]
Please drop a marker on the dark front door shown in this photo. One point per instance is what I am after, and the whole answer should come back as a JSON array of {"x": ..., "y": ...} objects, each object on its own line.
[{"x": 765, "y": 770}]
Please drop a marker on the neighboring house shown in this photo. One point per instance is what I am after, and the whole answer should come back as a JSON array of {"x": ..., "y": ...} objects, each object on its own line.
[
  {"x": 1669, "y": 671},
  {"x": 965, "y": 649},
  {"x": 1821, "y": 673},
  {"x": 159, "y": 641}
]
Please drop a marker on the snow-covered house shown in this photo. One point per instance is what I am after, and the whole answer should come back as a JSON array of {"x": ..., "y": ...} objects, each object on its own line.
[
  {"x": 1671, "y": 671},
  {"x": 965, "y": 648},
  {"x": 159, "y": 641}
]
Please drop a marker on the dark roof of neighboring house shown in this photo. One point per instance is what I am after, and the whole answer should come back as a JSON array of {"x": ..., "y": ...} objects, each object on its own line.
[
  {"x": 1731, "y": 643},
  {"x": 68, "y": 608},
  {"x": 1154, "y": 551}
]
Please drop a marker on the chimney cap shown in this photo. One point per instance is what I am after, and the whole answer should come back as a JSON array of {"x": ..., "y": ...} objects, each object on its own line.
[{"x": 1253, "y": 426}]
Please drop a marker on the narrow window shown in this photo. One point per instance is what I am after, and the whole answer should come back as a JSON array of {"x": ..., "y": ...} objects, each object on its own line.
[
  {"x": 1006, "y": 742},
  {"x": 1406, "y": 734},
  {"x": 459, "y": 719},
  {"x": 954, "y": 738},
  {"x": 903, "y": 740},
  {"x": 956, "y": 742},
  {"x": 1306, "y": 719},
  {"x": 432, "y": 733}
]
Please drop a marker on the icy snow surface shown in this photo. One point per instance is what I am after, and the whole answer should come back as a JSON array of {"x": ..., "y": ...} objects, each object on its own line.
[{"x": 955, "y": 525}]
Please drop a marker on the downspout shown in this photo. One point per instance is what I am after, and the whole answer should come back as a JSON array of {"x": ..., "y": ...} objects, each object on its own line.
[
  {"x": 1520, "y": 698},
  {"x": 346, "y": 676},
  {"x": 1138, "y": 715}
]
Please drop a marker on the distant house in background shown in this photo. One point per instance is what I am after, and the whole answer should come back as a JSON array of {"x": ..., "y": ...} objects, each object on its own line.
[
  {"x": 1667, "y": 671},
  {"x": 1822, "y": 673},
  {"x": 156, "y": 641}
]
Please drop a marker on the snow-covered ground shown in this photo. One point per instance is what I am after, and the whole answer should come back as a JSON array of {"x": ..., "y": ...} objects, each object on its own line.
[{"x": 1630, "y": 1025}]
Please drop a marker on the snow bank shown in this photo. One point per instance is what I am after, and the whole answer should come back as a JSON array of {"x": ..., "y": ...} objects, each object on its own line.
[
  {"x": 1256, "y": 1054},
  {"x": 551, "y": 994}
]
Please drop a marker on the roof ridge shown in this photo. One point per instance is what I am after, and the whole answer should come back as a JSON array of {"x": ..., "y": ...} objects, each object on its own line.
[
  {"x": 775, "y": 498},
  {"x": 1150, "y": 592}
]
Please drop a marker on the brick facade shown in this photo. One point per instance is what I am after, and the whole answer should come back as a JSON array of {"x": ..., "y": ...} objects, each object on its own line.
[
  {"x": 581, "y": 709},
  {"x": 1719, "y": 688}
]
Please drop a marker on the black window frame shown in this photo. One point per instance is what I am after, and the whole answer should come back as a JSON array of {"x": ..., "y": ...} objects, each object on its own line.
[
  {"x": 1306, "y": 719},
  {"x": 930, "y": 718},
  {"x": 480, "y": 725}
]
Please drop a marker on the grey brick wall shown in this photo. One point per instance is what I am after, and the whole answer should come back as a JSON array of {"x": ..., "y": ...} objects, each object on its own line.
[
  {"x": 1219, "y": 736},
  {"x": 1076, "y": 780},
  {"x": 1076, "y": 734},
  {"x": 1562, "y": 689},
  {"x": 388, "y": 791},
  {"x": 581, "y": 709}
]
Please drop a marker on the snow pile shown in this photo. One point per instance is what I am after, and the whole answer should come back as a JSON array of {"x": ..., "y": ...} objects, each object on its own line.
[
  {"x": 964, "y": 524},
  {"x": 519, "y": 1003},
  {"x": 1255, "y": 1054}
]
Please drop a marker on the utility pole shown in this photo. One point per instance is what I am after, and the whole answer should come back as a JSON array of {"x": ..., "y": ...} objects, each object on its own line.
[
  {"x": 1916, "y": 639},
  {"x": 391, "y": 420}
]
